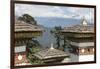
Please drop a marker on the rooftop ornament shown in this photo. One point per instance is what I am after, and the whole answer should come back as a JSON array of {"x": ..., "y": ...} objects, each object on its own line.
[
  {"x": 51, "y": 46},
  {"x": 84, "y": 22}
]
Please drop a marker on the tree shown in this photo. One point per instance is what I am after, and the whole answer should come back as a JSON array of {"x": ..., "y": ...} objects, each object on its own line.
[
  {"x": 28, "y": 19},
  {"x": 33, "y": 47},
  {"x": 57, "y": 33}
]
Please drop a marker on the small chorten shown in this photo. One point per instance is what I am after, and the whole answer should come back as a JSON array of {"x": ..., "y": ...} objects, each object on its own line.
[
  {"x": 51, "y": 46},
  {"x": 84, "y": 22}
]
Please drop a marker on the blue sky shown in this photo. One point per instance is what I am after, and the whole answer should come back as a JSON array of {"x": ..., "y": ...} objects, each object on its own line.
[{"x": 54, "y": 11}]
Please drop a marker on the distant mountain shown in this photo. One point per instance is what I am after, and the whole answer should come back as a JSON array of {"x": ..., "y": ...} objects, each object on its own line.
[{"x": 57, "y": 21}]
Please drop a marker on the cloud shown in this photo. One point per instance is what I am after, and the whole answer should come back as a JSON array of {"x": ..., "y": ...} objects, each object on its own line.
[
  {"x": 54, "y": 11},
  {"x": 39, "y": 11},
  {"x": 81, "y": 12}
]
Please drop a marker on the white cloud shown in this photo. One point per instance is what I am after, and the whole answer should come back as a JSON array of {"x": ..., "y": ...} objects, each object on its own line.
[
  {"x": 54, "y": 11},
  {"x": 82, "y": 12},
  {"x": 40, "y": 11}
]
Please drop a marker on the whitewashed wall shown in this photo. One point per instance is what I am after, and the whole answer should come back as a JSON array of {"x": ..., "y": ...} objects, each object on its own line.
[{"x": 83, "y": 58}]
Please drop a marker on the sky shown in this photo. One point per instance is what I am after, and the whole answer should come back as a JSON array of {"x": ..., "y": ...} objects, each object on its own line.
[{"x": 54, "y": 11}]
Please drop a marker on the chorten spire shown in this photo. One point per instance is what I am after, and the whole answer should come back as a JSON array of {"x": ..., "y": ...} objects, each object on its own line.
[
  {"x": 84, "y": 22},
  {"x": 51, "y": 46}
]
